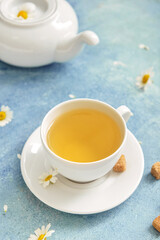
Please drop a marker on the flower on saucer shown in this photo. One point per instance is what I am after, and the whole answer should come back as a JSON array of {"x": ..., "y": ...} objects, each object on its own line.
[
  {"x": 145, "y": 79},
  {"x": 41, "y": 234},
  {"x": 6, "y": 115},
  {"x": 46, "y": 178},
  {"x": 5, "y": 208},
  {"x": 26, "y": 11}
]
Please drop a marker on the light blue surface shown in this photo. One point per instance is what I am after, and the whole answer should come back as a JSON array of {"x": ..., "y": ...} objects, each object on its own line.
[{"x": 30, "y": 93}]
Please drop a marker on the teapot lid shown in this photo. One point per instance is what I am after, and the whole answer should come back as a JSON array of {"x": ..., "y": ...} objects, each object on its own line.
[{"x": 25, "y": 12}]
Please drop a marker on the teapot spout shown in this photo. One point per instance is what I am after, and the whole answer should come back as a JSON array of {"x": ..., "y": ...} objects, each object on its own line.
[
  {"x": 69, "y": 48},
  {"x": 88, "y": 37}
]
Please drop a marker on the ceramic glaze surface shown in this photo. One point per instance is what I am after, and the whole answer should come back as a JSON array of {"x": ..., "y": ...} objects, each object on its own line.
[
  {"x": 91, "y": 171},
  {"x": 92, "y": 197},
  {"x": 47, "y": 33},
  {"x": 31, "y": 93},
  {"x": 37, "y": 10}
]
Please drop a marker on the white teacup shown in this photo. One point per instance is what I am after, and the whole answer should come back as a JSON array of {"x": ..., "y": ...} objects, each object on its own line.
[{"x": 84, "y": 172}]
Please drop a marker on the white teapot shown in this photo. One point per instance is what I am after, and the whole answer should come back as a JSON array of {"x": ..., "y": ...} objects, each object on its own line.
[{"x": 38, "y": 32}]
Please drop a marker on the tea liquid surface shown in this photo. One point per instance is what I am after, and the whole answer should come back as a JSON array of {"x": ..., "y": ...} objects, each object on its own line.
[{"x": 84, "y": 135}]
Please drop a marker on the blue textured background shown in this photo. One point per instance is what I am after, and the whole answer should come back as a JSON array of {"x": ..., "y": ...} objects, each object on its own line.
[{"x": 121, "y": 25}]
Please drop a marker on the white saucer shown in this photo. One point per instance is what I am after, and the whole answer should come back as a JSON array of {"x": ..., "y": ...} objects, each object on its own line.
[{"x": 67, "y": 196}]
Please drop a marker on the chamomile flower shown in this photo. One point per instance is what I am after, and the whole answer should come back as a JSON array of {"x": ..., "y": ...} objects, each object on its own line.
[
  {"x": 145, "y": 79},
  {"x": 6, "y": 115},
  {"x": 5, "y": 208},
  {"x": 46, "y": 178},
  {"x": 26, "y": 11},
  {"x": 41, "y": 234}
]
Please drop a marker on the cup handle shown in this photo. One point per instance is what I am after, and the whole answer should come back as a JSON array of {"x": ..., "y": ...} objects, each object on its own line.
[{"x": 125, "y": 112}]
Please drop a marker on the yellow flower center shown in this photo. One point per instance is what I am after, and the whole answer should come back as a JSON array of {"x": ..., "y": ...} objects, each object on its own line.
[
  {"x": 2, "y": 115},
  {"x": 145, "y": 78},
  {"x": 23, "y": 14},
  {"x": 41, "y": 237},
  {"x": 48, "y": 178}
]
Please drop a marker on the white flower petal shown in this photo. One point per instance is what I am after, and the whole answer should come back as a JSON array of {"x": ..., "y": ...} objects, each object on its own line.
[
  {"x": 8, "y": 119},
  {"x": 118, "y": 63},
  {"x": 20, "y": 18},
  {"x": 45, "y": 184},
  {"x": 142, "y": 46},
  {"x": 9, "y": 115},
  {"x": 53, "y": 179},
  {"x": 48, "y": 227},
  {"x": 49, "y": 233},
  {"x": 3, "y": 123},
  {"x": 5, "y": 207},
  {"x": 38, "y": 232},
  {"x": 43, "y": 230},
  {"x": 71, "y": 96},
  {"x": 19, "y": 156},
  {"x": 5, "y": 108},
  {"x": 32, "y": 237}
]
